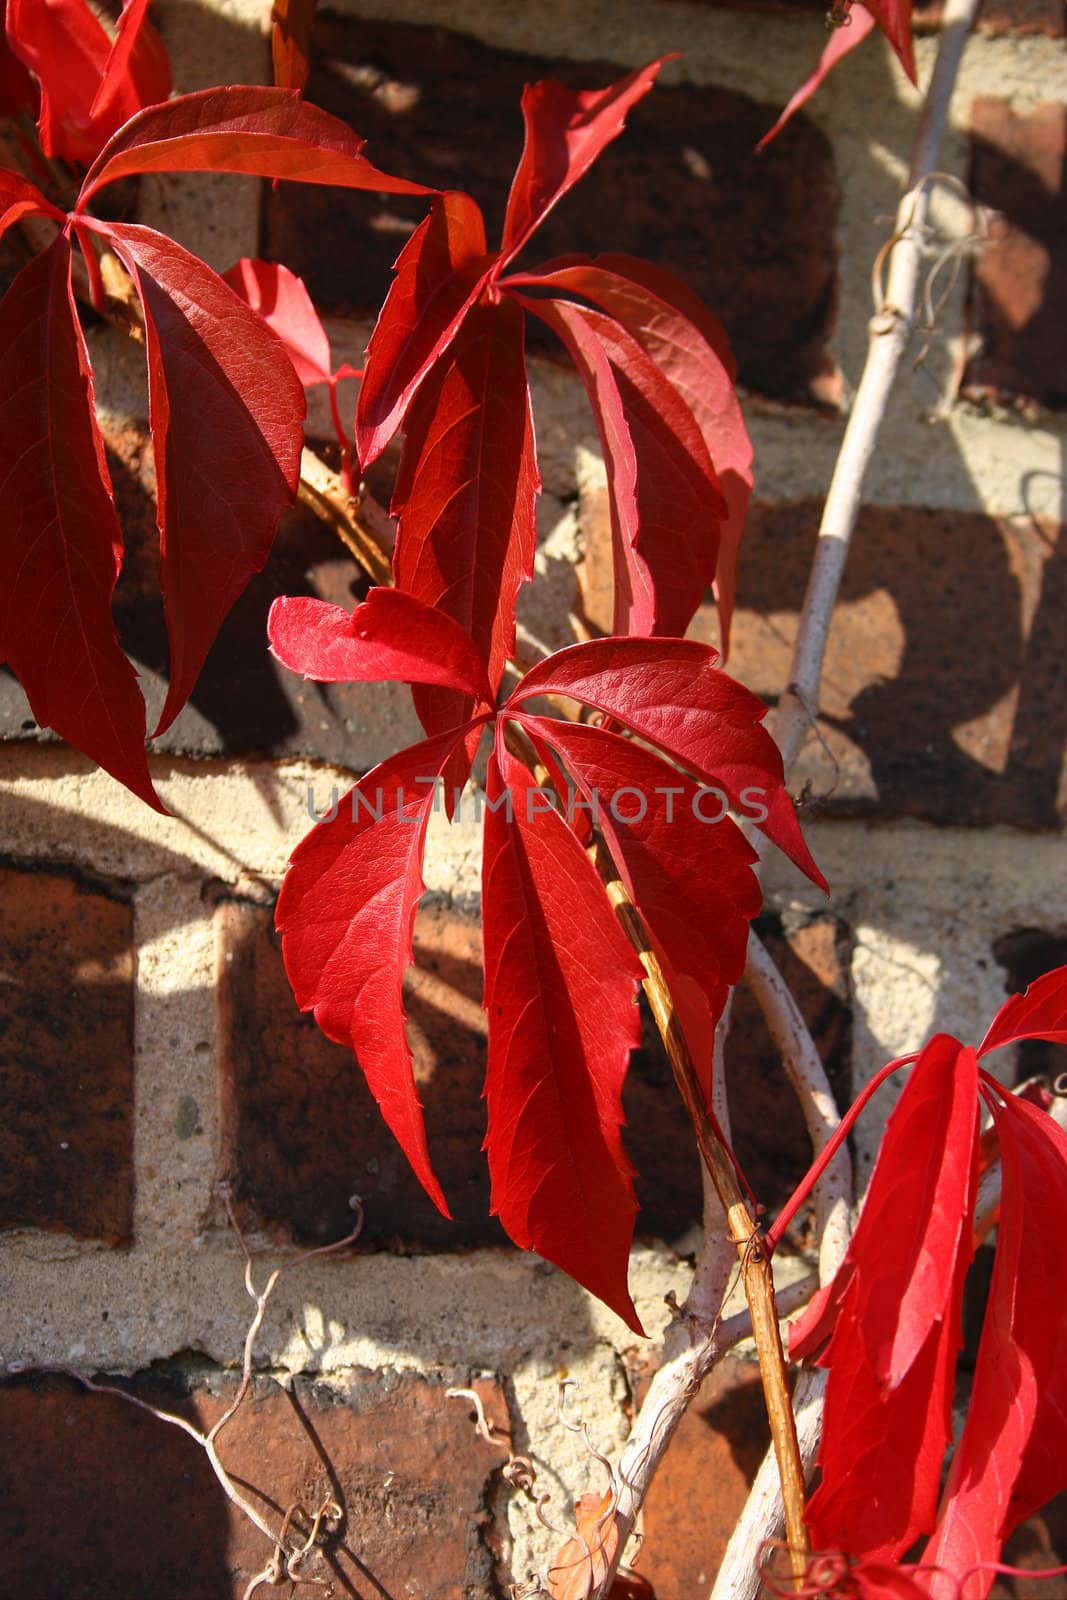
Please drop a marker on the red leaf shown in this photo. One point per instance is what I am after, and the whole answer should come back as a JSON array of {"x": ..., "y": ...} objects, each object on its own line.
[
  {"x": 20, "y": 198},
  {"x": 90, "y": 84},
  {"x": 282, "y": 300},
  {"x": 465, "y": 495},
  {"x": 665, "y": 503},
  {"x": 560, "y": 983},
  {"x": 894, "y": 19},
  {"x": 439, "y": 274},
  {"x": 841, "y": 42},
  {"x": 67, "y": 47},
  {"x": 226, "y": 409},
  {"x": 689, "y": 347},
  {"x": 18, "y": 92},
  {"x": 389, "y": 638},
  {"x": 1040, "y": 1012},
  {"x": 566, "y": 129},
  {"x": 290, "y": 42},
  {"x": 670, "y": 692},
  {"x": 1011, "y": 1459},
  {"x": 62, "y": 548},
  {"x": 270, "y": 133},
  {"x": 137, "y": 74},
  {"x": 691, "y": 877},
  {"x": 346, "y": 913},
  {"x": 892, "y": 1351}
]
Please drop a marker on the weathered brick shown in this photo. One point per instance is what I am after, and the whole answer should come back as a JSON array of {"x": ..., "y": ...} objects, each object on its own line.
[
  {"x": 1019, "y": 281},
  {"x": 753, "y": 235},
  {"x": 301, "y": 1130},
  {"x": 66, "y": 1057},
  {"x": 101, "y": 1499},
  {"x": 244, "y": 702},
  {"x": 942, "y": 693}
]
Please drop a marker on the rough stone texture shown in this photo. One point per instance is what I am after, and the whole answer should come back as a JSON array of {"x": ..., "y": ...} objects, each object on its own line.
[
  {"x": 753, "y": 235},
  {"x": 703, "y": 1482},
  {"x": 244, "y": 702},
  {"x": 1020, "y": 278},
  {"x": 66, "y": 1057},
  {"x": 942, "y": 696},
  {"x": 101, "y": 1499}
]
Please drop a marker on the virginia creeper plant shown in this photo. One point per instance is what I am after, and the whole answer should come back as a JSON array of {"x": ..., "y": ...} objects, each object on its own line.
[{"x": 630, "y": 781}]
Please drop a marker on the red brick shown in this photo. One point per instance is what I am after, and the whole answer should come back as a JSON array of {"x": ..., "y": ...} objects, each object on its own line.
[
  {"x": 301, "y": 1130},
  {"x": 942, "y": 693},
  {"x": 753, "y": 235},
  {"x": 767, "y": 1127},
  {"x": 244, "y": 703},
  {"x": 1020, "y": 278},
  {"x": 703, "y": 1483},
  {"x": 102, "y": 1500},
  {"x": 66, "y": 1057}
]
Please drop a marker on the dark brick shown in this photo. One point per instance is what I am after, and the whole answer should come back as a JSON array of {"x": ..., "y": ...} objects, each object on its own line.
[
  {"x": 996, "y": 17},
  {"x": 244, "y": 703},
  {"x": 101, "y": 1499},
  {"x": 66, "y": 1057},
  {"x": 301, "y": 1130},
  {"x": 1019, "y": 282},
  {"x": 703, "y": 1482},
  {"x": 942, "y": 694},
  {"x": 753, "y": 235},
  {"x": 767, "y": 1127}
]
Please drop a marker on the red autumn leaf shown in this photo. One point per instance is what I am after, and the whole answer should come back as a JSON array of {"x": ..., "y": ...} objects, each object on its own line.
[
  {"x": 566, "y": 129},
  {"x": 282, "y": 300},
  {"x": 391, "y": 637},
  {"x": 439, "y": 275},
  {"x": 90, "y": 83},
  {"x": 689, "y": 347},
  {"x": 894, "y": 19},
  {"x": 665, "y": 501},
  {"x": 346, "y": 913},
  {"x": 1040, "y": 1012},
  {"x": 465, "y": 496},
  {"x": 62, "y": 548},
  {"x": 842, "y": 42},
  {"x": 268, "y": 133},
  {"x": 226, "y": 411},
  {"x": 18, "y": 92},
  {"x": 1011, "y": 1459},
  {"x": 560, "y": 988},
  {"x": 581, "y": 1563},
  {"x": 290, "y": 42},
  {"x": 686, "y": 865},
  {"x": 670, "y": 692},
  {"x": 892, "y": 1350},
  {"x": 20, "y": 198}
]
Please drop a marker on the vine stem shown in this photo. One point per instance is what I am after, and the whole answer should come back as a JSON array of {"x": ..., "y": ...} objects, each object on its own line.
[{"x": 890, "y": 330}]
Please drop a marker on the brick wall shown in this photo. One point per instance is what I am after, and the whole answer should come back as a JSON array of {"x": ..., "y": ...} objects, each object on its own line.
[{"x": 149, "y": 1046}]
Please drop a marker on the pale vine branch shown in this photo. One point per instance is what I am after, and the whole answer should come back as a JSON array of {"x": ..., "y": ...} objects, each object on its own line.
[{"x": 891, "y": 329}]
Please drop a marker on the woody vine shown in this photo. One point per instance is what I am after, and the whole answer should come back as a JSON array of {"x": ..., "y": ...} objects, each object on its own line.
[{"x": 583, "y": 904}]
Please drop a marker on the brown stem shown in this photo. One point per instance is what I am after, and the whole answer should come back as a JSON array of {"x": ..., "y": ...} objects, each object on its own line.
[{"x": 756, "y": 1275}]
